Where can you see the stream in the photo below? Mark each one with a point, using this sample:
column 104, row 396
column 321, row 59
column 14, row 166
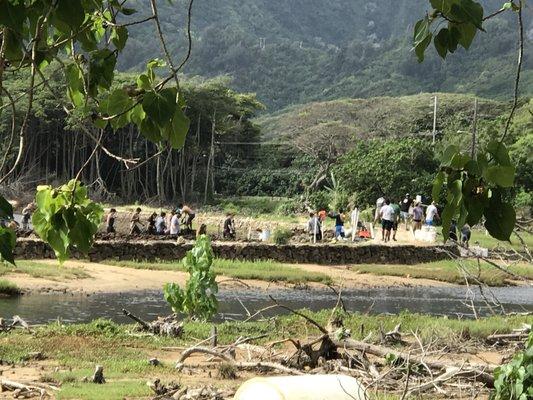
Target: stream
column 450, row 301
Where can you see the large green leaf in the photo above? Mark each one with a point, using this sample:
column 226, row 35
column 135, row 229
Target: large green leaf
column 119, row 37
column 101, row 70
column 8, row 240
column 442, row 42
column 70, row 13
column 116, row 102
column 6, row 209
column 437, row 185
column 455, row 193
column 178, row 129
column 66, row 218
column 75, row 85
column 500, row 217
column 500, row 221
column 467, row 11
column 499, row 152
column 12, row 15
column 422, row 37
column 160, row 106
column 467, row 33
column 502, row 176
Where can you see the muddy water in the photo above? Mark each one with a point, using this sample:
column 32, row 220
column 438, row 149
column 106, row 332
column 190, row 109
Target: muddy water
column 42, row 308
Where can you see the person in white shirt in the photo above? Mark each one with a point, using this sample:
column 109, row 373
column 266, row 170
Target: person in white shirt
column 160, row 225
column 175, row 223
column 387, row 220
column 432, row 214
column 379, row 203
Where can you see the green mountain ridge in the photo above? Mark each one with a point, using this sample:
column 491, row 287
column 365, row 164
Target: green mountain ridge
column 296, row 51
column 383, row 117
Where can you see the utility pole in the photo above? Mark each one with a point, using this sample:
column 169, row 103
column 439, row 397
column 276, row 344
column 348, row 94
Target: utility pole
column 474, row 129
column 434, row 119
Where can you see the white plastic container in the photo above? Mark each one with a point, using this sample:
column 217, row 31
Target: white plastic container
column 264, row 236
column 305, row 387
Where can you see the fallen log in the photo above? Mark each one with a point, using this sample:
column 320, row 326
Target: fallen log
column 22, row 389
column 519, row 336
column 482, row 373
column 240, row 365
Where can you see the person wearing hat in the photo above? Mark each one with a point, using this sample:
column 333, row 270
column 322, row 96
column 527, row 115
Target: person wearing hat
column 405, row 206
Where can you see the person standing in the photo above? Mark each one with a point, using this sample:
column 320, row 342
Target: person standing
column 174, row 223
column 110, row 221
column 465, row 235
column 26, row 216
column 314, row 227
column 188, row 215
column 160, row 225
column 396, row 221
column 432, row 214
column 339, row 223
column 405, row 206
column 379, row 203
column 228, row 231
column 135, row 222
column 151, row 224
column 418, row 216
column 387, row 219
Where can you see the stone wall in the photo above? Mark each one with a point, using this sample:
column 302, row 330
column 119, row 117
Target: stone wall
column 299, row 253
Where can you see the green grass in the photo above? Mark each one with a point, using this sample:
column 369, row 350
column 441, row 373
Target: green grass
column 77, row 348
column 489, row 242
column 448, row 271
column 38, row 269
column 269, row 271
column 8, row 288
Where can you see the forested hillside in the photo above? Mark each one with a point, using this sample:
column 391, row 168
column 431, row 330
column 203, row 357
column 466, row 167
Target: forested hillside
column 295, row 51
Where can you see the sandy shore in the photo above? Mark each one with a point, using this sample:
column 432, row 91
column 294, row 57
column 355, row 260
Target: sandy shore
column 111, row 279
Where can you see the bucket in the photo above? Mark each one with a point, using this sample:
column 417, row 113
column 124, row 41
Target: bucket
column 305, row 387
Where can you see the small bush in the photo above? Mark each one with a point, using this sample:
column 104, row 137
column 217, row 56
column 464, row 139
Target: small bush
column 281, row 236
column 514, row 381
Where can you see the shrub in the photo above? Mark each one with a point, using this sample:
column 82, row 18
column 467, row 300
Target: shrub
column 281, row 236
column 198, row 299
column 514, row 381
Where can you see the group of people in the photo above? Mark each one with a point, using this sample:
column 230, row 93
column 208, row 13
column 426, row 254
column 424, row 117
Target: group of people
column 157, row 224
column 316, row 221
column 390, row 214
column 406, row 210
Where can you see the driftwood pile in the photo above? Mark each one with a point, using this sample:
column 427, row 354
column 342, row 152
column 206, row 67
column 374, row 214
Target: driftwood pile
column 25, row 391
column 165, row 326
column 16, row 322
column 416, row 370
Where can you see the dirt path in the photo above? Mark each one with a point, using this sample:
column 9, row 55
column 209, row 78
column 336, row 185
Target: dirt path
column 112, row 279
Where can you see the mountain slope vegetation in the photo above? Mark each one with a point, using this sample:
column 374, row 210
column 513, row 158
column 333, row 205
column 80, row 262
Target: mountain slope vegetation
column 295, row 51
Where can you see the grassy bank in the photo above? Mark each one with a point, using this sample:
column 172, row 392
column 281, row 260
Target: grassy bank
column 8, row 288
column 75, row 349
column 448, row 271
column 268, row 271
column 38, row 269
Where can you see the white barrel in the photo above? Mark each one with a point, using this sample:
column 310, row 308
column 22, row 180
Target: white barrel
column 305, row 387
column 265, row 235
